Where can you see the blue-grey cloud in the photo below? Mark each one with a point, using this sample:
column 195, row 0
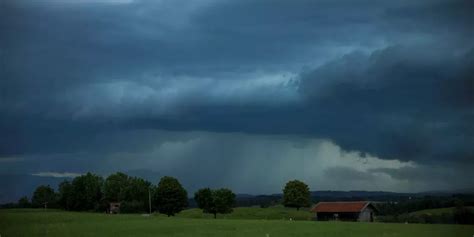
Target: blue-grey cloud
column 390, row 79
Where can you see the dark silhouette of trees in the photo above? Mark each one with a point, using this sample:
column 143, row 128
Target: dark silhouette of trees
column 87, row 192
column 43, row 196
column 204, row 201
column 66, row 195
column 461, row 214
column 136, row 195
column 169, row 196
column 115, row 187
column 23, row 202
column 215, row 201
column 296, row 194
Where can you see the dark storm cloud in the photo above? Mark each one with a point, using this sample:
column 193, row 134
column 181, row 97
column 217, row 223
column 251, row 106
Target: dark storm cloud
column 342, row 174
column 410, row 103
column 392, row 79
column 445, row 177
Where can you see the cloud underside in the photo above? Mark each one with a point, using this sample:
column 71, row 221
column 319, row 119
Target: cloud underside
column 387, row 80
column 246, row 163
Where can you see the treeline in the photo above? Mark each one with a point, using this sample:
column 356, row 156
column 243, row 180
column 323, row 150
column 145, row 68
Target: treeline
column 423, row 203
column 91, row 192
column 462, row 211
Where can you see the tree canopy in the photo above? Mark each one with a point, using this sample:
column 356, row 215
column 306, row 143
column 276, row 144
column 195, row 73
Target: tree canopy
column 115, row 187
column 43, row 196
column 87, row 192
column 23, row 202
column 296, row 194
column 215, row 201
column 169, row 196
column 66, row 195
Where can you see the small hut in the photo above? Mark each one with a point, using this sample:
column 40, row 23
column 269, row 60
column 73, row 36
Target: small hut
column 114, row 208
column 344, row 211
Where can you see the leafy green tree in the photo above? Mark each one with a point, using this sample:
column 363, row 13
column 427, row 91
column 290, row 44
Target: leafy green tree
column 66, row 195
column 204, row 199
column 137, row 191
column 87, row 191
column 43, row 196
column 215, row 201
column 296, row 194
column 132, row 192
column 224, row 200
column 24, row 202
column 115, row 187
column 169, row 196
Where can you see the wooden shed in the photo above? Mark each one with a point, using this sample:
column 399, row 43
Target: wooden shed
column 114, row 208
column 344, row 211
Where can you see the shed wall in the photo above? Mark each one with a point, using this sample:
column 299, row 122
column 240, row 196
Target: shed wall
column 366, row 215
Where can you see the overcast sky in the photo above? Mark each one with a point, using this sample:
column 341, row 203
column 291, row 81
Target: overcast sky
column 245, row 94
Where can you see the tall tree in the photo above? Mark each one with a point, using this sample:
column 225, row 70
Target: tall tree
column 215, row 201
column 43, row 196
column 204, row 199
column 169, row 196
column 87, row 190
column 115, row 187
column 224, row 200
column 138, row 191
column 66, row 195
column 296, row 194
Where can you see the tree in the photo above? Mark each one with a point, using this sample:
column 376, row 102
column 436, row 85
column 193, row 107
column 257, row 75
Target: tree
column 66, row 195
column 224, row 200
column 169, row 196
column 43, row 196
column 24, row 202
column 296, row 194
column 115, row 187
column 203, row 198
column 87, row 191
column 215, row 201
column 137, row 192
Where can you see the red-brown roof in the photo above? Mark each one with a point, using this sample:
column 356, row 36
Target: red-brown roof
column 339, row 206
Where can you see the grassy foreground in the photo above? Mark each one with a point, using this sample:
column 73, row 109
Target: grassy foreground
column 253, row 213
column 59, row 223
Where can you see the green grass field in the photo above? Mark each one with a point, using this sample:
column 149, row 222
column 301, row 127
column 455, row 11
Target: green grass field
column 30, row 222
column 253, row 213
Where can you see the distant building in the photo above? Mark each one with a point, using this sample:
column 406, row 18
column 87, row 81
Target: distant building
column 344, row 211
column 114, row 208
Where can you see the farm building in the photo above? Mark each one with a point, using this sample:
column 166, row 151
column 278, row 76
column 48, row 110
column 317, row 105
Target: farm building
column 344, row 211
column 114, row 208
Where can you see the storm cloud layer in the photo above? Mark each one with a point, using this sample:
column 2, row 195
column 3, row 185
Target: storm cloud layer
column 187, row 88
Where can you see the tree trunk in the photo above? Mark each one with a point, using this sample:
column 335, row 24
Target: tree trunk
column 215, row 215
column 297, row 208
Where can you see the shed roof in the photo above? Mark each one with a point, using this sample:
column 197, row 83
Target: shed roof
column 340, row 206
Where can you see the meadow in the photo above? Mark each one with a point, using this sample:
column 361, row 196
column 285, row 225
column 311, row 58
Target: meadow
column 30, row 222
column 253, row 213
